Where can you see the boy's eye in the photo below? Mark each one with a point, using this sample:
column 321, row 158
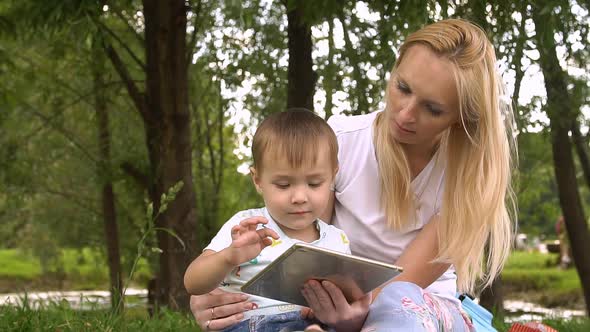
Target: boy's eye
column 315, row 185
column 282, row 185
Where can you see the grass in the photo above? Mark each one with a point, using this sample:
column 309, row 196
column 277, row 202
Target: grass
column 60, row 317
column 536, row 277
column 16, row 264
column 78, row 270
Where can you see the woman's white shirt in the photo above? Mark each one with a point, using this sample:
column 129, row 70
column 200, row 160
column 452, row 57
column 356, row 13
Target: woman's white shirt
column 358, row 210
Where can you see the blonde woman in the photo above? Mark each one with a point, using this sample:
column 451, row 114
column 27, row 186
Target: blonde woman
column 424, row 184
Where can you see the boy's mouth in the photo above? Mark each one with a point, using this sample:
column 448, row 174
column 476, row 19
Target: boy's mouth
column 299, row 213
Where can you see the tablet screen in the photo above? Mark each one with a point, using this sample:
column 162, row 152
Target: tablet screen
column 283, row 279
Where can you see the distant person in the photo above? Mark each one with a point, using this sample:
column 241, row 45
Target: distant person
column 295, row 161
column 565, row 259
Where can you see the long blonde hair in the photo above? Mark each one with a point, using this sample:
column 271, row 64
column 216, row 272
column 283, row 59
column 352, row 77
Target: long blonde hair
column 477, row 197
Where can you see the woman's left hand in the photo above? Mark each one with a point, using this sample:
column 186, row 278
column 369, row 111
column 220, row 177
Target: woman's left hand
column 331, row 307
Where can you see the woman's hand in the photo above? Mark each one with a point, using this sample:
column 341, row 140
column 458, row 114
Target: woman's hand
column 218, row 309
column 331, row 307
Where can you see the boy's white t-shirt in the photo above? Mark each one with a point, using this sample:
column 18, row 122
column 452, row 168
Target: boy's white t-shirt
column 358, row 195
column 330, row 238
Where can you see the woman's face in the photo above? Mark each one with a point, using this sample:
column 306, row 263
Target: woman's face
column 422, row 101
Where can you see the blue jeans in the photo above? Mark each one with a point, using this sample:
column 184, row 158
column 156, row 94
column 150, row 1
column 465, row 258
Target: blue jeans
column 284, row 322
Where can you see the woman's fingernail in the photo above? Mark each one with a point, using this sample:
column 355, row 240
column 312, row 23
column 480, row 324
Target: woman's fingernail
column 240, row 316
column 244, row 297
column 254, row 306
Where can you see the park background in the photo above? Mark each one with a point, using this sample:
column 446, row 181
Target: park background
column 125, row 127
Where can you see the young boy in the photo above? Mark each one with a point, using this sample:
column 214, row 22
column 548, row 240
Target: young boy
column 295, row 161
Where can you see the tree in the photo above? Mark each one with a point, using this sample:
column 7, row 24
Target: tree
column 163, row 107
column 301, row 77
column 562, row 116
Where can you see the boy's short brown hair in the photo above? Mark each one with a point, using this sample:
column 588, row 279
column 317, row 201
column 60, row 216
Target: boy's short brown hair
column 296, row 134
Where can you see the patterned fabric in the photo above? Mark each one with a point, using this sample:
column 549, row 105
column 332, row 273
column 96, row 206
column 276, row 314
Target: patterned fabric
column 286, row 322
column 404, row 306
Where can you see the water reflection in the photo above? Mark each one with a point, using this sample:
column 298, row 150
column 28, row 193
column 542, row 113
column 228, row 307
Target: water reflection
column 78, row 300
column 518, row 311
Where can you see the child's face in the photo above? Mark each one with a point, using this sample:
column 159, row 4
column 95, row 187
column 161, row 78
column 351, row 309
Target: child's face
column 295, row 197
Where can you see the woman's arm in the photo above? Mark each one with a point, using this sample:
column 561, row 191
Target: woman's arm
column 417, row 258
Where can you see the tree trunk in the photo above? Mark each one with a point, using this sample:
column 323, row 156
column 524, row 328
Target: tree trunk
column 301, row 77
column 581, row 149
column 561, row 116
column 330, row 71
column 105, row 177
column 492, row 297
column 168, row 138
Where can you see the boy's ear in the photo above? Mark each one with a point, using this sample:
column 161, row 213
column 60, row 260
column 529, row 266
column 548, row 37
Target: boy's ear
column 255, row 179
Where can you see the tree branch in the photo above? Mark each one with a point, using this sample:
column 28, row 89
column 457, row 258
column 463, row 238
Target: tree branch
column 124, row 45
column 137, row 97
column 193, row 37
column 140, row 178
column 120, row 15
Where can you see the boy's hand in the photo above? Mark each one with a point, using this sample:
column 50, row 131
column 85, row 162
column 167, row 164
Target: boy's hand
column 331, row 307
column 247, row 241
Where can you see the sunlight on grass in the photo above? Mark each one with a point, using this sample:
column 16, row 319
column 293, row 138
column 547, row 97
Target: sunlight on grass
column 16, row 264
column 82, row 269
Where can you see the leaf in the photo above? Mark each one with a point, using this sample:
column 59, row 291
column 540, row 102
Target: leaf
column 171, row 232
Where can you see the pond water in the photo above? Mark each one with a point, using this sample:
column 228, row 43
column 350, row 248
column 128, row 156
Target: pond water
column 78, row 300
column 89, row 300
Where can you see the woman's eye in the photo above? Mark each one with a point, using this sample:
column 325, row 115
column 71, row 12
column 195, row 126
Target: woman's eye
column 434, row 111
column 403, row 88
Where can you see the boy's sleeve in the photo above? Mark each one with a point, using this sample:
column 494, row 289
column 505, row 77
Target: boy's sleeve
column 342, row 244
column 346, row 243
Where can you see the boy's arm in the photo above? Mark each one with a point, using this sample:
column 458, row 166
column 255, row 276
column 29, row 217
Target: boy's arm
column 206, row 272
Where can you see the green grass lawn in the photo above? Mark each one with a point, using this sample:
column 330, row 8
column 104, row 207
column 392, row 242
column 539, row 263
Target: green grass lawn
column 61, row 318
column 535, row 277
column 79, row 270
column 16, row 264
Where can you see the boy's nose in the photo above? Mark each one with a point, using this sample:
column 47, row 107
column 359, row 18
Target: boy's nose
column 299, row 196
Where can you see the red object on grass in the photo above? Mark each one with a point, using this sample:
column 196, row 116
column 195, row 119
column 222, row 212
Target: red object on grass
column 531, row 327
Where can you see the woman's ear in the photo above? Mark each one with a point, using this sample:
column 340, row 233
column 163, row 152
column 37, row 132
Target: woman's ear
column 255, row 179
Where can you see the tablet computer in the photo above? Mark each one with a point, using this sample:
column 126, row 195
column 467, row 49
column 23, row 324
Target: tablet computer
column 283, row 279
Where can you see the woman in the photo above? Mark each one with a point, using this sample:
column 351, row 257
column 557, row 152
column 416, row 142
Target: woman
column 423, row 184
